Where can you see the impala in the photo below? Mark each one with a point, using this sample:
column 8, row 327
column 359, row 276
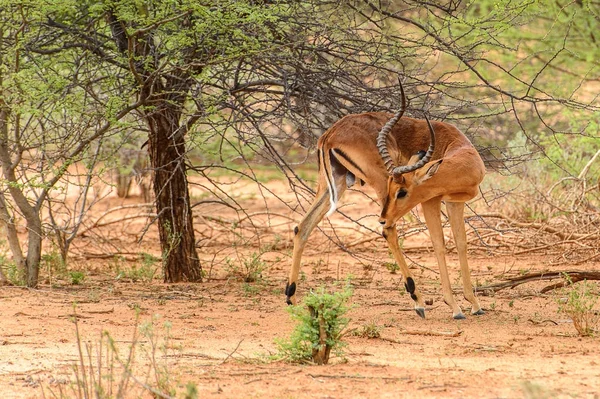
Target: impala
column 389, row 154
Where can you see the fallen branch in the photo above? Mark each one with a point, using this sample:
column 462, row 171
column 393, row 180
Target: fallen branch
column 231, row 354
column 112, row 310
column 536, row 322
column 430, row 333
column 357, row 377
column 574, row 275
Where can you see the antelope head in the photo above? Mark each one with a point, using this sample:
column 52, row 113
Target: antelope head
column 405, row 184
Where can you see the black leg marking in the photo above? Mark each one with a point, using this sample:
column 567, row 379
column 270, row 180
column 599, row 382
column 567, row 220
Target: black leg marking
column 296, row 230
column 410, row 286
column 290, row 289
column 339, row 153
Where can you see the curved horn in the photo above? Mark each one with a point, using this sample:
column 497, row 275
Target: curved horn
column 409, row 168
column 385, row 130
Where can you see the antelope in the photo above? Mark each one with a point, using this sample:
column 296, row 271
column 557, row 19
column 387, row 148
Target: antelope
column 388, row 154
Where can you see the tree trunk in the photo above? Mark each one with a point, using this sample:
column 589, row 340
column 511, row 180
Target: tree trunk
column 34, row 251
column 175, row 222
column 12, row 238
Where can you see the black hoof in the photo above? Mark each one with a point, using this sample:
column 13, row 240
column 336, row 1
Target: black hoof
column 459, row 316
column 420, row 312
column 288, row 301
column 480, row 312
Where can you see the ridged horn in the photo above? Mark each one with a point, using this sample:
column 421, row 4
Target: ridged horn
column 385, row 130
column 398, row 170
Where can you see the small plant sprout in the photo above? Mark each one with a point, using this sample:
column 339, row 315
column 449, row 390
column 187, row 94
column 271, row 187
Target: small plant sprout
column 392, row 267
column 369, row 330
column 248, row 269
column 77, row 277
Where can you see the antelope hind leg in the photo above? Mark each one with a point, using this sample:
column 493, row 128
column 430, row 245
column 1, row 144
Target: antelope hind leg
column 432, row 212
column 457, row 222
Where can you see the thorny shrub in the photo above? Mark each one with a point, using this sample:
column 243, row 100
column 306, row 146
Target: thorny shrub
column 321, row 321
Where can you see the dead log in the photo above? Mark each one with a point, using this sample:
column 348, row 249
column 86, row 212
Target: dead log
column 574, row 276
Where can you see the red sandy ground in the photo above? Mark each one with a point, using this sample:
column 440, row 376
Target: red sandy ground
column 223, row 330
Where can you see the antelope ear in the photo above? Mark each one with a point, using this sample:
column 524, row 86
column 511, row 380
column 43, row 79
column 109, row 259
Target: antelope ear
column 427, row 171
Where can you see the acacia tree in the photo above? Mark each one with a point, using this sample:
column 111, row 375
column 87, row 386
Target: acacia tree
column 49, row 121
column 187, row 62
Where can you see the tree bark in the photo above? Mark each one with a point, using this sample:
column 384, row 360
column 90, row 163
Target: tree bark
column 175, row 221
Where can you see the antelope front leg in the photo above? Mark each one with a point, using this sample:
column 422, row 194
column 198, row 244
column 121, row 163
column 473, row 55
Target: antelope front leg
column 389, row 233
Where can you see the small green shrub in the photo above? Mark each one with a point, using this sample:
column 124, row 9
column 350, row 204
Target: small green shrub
column 12, row 272
column 145, row 271
column 321, row 321
column 580, row 304
column 248, row 269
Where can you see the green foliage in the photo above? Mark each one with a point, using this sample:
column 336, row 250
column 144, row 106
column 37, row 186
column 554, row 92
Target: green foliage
column 173, row 240
column 567, row 155
column 534, row 390
column 320, row 313
column 579, row 302
column 552, row 186
column 77, row 277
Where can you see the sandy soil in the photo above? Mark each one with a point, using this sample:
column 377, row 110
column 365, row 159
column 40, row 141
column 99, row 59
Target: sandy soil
column 223, row 330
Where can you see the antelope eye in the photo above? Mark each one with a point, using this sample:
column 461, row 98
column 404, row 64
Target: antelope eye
column 401, row 193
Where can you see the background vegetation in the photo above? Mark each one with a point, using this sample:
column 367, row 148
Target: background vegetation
column 227, row 88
